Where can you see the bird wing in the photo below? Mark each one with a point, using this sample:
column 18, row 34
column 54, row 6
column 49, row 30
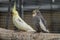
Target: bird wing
column 42, row 26
column 23, row 25
column 43, row 19
column 20, row 22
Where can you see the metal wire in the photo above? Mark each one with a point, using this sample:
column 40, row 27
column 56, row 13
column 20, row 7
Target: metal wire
column 7, row 18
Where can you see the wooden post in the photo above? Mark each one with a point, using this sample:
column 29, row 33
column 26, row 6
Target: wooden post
column 12, row 35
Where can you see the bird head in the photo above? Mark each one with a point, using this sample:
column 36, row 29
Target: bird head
column 35, row 12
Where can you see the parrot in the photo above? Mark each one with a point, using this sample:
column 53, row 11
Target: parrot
column 19, row 22
column 38, row 21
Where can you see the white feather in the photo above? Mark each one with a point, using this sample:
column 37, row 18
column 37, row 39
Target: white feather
column 42, row 26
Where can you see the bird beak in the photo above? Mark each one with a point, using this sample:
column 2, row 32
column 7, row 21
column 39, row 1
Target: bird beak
column 11, row 13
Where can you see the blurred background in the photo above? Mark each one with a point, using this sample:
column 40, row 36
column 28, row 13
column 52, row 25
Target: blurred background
column 50, row 9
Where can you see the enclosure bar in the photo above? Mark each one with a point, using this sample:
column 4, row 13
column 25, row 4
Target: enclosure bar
column 8, row 15
column 21, row 8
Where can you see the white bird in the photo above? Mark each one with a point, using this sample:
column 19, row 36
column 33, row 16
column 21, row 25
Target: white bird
column 37, row 17
column 19, row 22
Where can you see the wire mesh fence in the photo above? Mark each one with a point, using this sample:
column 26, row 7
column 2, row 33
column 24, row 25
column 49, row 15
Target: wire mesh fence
column 52, row 15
